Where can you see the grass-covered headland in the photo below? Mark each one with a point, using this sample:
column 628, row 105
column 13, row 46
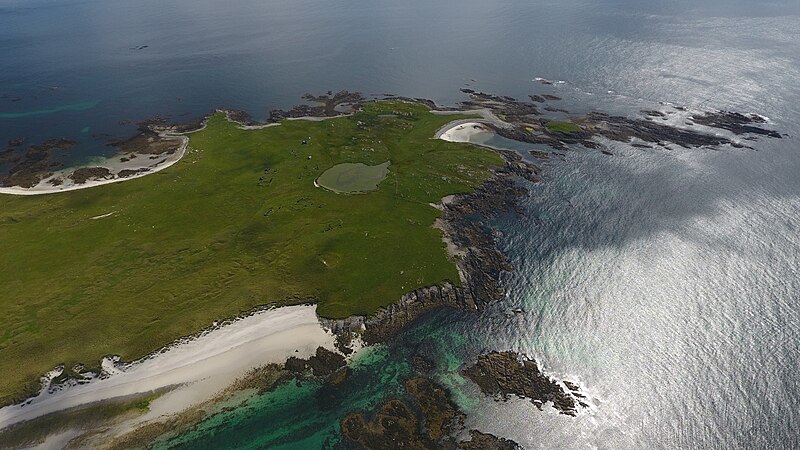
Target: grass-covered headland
column 129, row 267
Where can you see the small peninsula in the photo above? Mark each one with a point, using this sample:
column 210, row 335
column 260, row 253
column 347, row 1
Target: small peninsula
column 235, row 224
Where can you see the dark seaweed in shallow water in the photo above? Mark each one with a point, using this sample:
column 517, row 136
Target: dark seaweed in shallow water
column 35, row 164
column 431, row 420
column 322, row 364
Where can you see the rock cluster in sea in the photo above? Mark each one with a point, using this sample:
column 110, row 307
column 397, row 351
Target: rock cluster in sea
column 428, row 420
column 502, row 374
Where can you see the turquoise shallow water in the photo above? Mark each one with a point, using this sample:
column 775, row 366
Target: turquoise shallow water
column 82, row 106
column 664, row 280
column 307, row 414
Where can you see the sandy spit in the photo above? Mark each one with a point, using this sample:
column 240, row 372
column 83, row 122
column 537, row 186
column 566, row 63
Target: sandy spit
column 197, row 368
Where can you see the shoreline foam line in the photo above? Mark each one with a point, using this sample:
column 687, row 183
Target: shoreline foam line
column 198, row 368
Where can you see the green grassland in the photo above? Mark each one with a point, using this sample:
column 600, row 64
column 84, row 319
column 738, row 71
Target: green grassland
column 562, row 127
column 236, row 224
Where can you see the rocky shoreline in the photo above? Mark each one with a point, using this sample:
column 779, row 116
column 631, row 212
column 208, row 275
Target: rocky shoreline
column 525, row 122
column 480, row 263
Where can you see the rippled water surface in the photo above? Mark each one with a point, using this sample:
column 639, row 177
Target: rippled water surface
column 665, row 280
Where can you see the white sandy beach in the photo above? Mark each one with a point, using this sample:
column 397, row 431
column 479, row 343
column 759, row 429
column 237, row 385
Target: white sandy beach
column 113, row 164
column 198, row 368
column 462, row 131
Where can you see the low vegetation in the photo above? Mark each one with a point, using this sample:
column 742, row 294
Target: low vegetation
column 105, row 414
column 562, row 127
column 127, row 268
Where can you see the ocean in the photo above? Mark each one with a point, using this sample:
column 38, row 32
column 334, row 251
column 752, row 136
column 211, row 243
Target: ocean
column 666, row 281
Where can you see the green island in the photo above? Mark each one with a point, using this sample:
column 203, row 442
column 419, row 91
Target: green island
column 238, row 223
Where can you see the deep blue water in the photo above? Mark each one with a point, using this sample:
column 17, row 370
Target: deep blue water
column 666, row 281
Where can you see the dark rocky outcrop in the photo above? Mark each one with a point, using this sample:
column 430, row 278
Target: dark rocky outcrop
column 16, row 142
column 322, row 364
column 502, row 374
column 147, row 143
column 240, row 117
column 486, row 441
column 327, row 105
column 35, row 164
column 393, row 423
column 623, row 129
column 513, row 110
column 84, row 174
column 125, row 173
column 653, row 113
column 430, row 420
column 539, row 154
column 344, row 342
column 526, row 124
column 736, row 123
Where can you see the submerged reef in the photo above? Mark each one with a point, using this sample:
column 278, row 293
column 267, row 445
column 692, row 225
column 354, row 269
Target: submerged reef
column 429, row 420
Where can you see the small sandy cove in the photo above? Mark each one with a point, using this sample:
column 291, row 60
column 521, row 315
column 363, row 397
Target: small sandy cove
column 142, row 165
column 461, row 131
column 197, row 368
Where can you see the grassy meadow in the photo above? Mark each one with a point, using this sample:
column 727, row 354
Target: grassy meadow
column 236, row 224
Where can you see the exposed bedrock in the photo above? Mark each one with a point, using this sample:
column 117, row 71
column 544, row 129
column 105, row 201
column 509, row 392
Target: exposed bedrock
column 503, row 374
column 327, row 105
column 429, row 420
column 524, row 122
